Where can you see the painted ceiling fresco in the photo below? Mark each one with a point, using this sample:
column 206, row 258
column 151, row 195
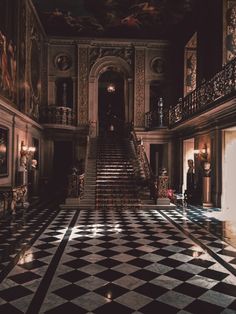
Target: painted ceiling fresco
column 112, row 18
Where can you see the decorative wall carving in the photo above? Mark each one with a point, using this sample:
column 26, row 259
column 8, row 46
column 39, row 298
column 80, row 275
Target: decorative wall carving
column 99, row 52
column 158, row 65
column 34, row 72
column 140, row 88
column 34, row 65
column 83, row 85
column 190, row 64
column 63, row 62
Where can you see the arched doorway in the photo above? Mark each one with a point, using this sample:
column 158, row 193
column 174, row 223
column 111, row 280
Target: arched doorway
column 111, row 103
column 123, row 69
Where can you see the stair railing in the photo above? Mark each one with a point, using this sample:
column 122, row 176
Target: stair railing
column 75, row 185
column 77, row 177
column 144, row 164
column 90, row 134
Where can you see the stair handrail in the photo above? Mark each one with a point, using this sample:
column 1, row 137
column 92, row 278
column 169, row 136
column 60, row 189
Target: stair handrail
column 76, row 179
column 150, row 178
column 90, row 131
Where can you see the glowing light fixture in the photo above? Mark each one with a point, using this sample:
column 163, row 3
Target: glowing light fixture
column 111, row 88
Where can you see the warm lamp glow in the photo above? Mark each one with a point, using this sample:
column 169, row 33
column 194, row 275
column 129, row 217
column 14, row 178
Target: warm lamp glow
column 201, row 153
column 111, row 88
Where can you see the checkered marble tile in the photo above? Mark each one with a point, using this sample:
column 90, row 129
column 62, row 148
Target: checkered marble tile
column 18, row 289
column 218, row 247
column 131, row 261
column 19, row 231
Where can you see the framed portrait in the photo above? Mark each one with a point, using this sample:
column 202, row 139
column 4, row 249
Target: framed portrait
column 4, row 151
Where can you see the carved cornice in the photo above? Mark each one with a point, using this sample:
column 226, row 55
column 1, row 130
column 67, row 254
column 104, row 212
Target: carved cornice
column 108, row 42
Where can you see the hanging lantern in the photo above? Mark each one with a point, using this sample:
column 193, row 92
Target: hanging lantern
column 111, row 88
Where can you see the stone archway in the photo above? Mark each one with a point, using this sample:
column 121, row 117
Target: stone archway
column 102, row 65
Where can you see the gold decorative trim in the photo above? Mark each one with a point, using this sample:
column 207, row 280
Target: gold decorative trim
column 83, row 85
column 140, row 88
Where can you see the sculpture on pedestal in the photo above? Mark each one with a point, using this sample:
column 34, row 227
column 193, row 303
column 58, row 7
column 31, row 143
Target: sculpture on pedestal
column 207, row 184
column 163, row 186
column 190, row 181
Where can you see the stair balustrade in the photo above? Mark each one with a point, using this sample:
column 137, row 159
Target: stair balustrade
column 149, row 177
column 75, row 185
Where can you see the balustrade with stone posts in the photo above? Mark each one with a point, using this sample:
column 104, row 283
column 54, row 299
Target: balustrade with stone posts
column 57, row 115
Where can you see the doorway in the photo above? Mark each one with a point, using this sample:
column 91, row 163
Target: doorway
column 229, row 169
column 158, row 157
column 188, row 153
column 111, row 104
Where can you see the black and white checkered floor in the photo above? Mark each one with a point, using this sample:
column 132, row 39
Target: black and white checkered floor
column 131, row 261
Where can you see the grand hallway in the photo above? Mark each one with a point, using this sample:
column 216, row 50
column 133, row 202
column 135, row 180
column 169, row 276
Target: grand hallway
column 117, row 156
column 129, row 261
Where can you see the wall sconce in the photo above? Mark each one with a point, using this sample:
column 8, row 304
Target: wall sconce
column 201, row 153
column 111, row 88
column 26, row 154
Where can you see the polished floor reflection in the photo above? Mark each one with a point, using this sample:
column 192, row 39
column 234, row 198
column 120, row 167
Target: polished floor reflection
column 130, row 261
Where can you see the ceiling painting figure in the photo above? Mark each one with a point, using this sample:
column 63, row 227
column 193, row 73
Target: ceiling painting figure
column 112, row 18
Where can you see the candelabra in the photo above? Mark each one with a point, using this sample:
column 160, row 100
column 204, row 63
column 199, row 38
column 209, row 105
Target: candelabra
column 26, row 158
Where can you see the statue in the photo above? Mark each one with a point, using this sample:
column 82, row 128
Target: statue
column 207, row 169
column 190, row 180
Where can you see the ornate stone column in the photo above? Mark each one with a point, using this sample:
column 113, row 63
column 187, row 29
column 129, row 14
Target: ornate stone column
column 83, row 74
column 139, row 97
column 130, row 100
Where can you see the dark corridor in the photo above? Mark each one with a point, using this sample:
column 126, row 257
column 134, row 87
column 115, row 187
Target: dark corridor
column 111, row 102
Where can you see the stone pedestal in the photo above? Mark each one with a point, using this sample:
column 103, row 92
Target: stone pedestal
column 207, row 192
column 163, row 184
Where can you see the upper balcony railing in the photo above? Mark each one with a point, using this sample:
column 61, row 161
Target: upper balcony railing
column 57, row 115
column 221, row 87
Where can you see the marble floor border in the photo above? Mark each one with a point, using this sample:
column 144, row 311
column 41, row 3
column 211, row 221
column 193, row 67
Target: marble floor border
column 202, row 245
column 39, row 296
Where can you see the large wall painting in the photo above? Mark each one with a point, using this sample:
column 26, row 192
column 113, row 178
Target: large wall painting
column 4, row 147
column 230, row 30
column 8, row 54
column 7, row 66
column 111, row 18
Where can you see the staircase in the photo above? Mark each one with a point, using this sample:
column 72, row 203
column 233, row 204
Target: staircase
column 116, row 185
